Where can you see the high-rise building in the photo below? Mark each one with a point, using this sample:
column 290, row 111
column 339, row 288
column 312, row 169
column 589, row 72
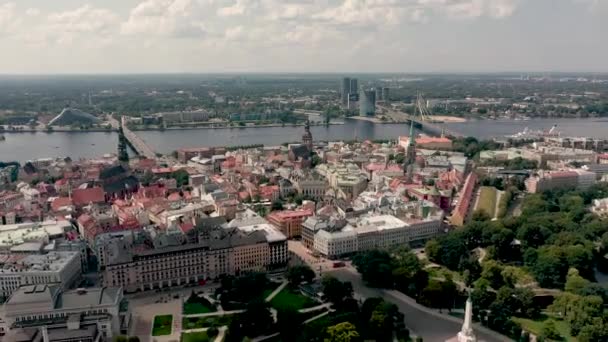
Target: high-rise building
column 354, row 86
column 385, row 94
column 379, row 94
column 345, row 90
column 367, row 102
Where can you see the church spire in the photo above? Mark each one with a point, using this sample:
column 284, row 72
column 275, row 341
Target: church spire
column 410, row 155
column 412, row 137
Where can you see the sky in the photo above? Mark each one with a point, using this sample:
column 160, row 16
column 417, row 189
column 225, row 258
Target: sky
column 339, row 36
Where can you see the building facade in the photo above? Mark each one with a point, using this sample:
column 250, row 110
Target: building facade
column 289, row 222
column 221, row 252
column 60, row 268
column 367, row 102
column 92, row 314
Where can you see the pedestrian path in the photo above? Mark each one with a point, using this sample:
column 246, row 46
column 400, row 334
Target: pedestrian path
column 217, row 313
column 276, row 291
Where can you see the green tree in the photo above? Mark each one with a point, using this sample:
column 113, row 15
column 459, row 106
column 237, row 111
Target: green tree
column 299, row 274
column 596, row 331
column 120, row 338
column 336, row 291
column 277, row 205
column 492, row 272
column 256, row 319
column 288, row 324
column 550, row 332
column 574, row 282
column 376, row 268
column 342, row 332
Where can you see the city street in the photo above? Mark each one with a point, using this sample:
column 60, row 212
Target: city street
column 421, row 321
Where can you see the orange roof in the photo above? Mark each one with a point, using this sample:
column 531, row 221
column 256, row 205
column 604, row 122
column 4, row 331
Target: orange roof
column 60, row 202
column 86, row 196
column 288, row 214
column 427, row 140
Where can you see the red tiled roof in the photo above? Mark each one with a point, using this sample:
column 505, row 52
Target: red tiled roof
column 174, row 197
column 288, row 214
column 186, row 227
column 60, row 202
column 82, row 197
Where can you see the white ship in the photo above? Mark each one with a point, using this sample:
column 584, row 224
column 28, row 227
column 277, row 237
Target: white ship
column 536, row 134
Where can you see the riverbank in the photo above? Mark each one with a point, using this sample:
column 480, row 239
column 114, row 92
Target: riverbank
column 158, row 129
column 389, row 120
column 232, row 127
column 448, row 119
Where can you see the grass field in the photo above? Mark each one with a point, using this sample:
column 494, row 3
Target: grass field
column 205, row 322
column 200, row 336
column 536, row 327
column 487, row 200
column 288, row 298
column 162, row 325
column 197, row 308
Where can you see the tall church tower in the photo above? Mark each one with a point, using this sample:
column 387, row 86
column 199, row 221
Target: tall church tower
column 410, row 155
column 307, row 137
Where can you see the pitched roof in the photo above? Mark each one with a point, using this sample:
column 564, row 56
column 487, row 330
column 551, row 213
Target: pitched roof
column 82, row 197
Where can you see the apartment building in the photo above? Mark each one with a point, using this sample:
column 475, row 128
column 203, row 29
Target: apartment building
column 48, row 313
column 373, row 232
column 309, row 183
column 277, row 244
column 461, row 211
column 346, row 178
column 289, row 222
column 218, row 252
column 61, row 268
column 574, row 179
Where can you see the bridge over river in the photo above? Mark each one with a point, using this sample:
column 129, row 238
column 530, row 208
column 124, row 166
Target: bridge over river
column 424, row 125
column 137, row 144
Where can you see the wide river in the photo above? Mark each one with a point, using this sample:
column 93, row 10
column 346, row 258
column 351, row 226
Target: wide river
column 26, row 146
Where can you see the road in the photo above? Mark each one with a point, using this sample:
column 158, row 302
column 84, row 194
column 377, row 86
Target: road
column 424, row 322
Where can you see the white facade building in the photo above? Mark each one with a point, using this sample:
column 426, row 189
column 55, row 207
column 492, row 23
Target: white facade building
column 277, row 243
column 67, row 313
column 335, row 244
column 62, row 268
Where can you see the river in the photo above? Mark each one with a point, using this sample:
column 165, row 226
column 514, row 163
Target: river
column 26, row 146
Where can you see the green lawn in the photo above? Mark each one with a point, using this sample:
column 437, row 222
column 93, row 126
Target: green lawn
column 288, row 298
column 162, row 325
column 536, row 327
column 206, row 322
column 197, row 308
column 200, row 336
column 270, row 287
column 487, row 200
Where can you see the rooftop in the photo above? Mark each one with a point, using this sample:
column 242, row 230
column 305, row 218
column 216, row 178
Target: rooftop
column 50, row 262
column 272, row 234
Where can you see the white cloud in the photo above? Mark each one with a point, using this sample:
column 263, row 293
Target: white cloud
column 85, row 19
column 67, row 26
column 32, row 12
column 173, row 18
column 478, row 8
column 8, row 18
column 240, row 7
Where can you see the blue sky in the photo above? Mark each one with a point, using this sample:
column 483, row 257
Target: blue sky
column 150, row 36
